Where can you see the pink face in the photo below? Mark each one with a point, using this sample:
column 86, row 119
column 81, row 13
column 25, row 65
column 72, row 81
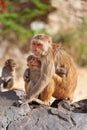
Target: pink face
column 37, row 48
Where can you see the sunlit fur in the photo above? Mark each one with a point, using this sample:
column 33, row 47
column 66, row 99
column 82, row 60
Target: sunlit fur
column 50, row 83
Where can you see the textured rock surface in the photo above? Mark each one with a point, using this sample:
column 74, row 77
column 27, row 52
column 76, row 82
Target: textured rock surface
column 63, row 117
column 8, row 112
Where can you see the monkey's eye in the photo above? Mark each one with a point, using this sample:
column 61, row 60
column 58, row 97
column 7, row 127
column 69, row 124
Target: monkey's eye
column 39, row 45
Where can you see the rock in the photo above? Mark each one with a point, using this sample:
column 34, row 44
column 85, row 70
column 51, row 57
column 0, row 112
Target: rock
column 64, row 116
column 8, row 112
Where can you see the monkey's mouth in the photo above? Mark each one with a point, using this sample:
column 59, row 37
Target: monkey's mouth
column 34, row 65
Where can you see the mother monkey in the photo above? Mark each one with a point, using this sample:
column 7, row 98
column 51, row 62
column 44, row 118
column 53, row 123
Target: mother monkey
column 58, row 71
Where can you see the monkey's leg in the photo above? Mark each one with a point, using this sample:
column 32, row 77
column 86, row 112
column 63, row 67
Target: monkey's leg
column 63, row 90
column 9, row 84
column 48, row 92
column 27, row 89
column 59, row 88
column 38, row 101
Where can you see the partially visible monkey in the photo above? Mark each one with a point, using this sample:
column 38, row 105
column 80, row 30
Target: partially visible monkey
column 8, row 74
column 52, row 61
column 32, row 73
column 60, row 70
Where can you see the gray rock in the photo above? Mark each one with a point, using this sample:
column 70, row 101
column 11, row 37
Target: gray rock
column 8, row 112
column 25, row 117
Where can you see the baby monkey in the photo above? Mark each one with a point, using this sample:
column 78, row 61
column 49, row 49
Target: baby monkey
column 8, row 75
column 32, row 75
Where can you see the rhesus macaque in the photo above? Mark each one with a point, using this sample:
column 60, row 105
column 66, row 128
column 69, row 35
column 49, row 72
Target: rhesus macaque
column 60, row 70
column 32, row 73
column 57, row 67
column 8, row 75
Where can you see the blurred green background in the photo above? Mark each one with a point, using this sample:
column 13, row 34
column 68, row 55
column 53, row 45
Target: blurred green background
column 65, row 21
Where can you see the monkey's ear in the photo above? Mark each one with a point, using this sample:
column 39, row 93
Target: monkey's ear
column 49, row 39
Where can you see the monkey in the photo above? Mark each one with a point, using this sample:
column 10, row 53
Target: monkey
column 8, row 74
column 52, row 62
column 32, row 73
column 61, row 71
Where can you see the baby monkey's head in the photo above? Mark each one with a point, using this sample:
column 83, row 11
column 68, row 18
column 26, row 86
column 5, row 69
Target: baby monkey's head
column 33, row 61
column 10, row 64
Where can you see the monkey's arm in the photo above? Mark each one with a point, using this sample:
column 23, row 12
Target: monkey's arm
column 1, row 80
column 9, row 83
column 4, row 71
column 48, row 70
column 26, row 75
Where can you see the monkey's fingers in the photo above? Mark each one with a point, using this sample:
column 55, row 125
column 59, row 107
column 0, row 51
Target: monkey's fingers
column 18, row 103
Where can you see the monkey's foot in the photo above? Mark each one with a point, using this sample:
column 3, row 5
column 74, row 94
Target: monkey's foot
column 18, row 103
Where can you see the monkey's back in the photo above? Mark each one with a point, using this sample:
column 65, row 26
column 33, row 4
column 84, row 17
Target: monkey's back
column 68, row 85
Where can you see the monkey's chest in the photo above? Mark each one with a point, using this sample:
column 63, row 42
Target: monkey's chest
column 35, row 75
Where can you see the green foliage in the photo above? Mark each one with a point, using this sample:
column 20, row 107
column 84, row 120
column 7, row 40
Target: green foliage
column 41, row 5
column 9, row 23
column 32, row 14
column 16, row 22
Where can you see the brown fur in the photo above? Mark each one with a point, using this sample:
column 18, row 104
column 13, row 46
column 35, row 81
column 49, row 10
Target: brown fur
column 51, row 84
column 8, row 74
column 32, row 73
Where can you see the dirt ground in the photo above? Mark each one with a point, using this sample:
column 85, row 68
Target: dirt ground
column 81, row 90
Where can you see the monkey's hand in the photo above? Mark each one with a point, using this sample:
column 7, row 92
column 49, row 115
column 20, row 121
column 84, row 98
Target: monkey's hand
column 20, row 103
column 1, row 80
column 26, row 79
column 61, row 71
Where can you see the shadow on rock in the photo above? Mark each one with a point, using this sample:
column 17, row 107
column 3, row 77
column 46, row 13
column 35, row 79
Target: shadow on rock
column 80, row 106
column 9, row 95
column 77, row 107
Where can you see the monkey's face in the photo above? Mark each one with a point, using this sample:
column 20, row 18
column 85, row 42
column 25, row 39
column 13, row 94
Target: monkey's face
column 40, row 44
column 34, row 62
column 37, row 47
column 10, row 65
column 11, row 68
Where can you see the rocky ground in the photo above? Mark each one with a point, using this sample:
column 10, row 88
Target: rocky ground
column 59, row 116
column 81, row 91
